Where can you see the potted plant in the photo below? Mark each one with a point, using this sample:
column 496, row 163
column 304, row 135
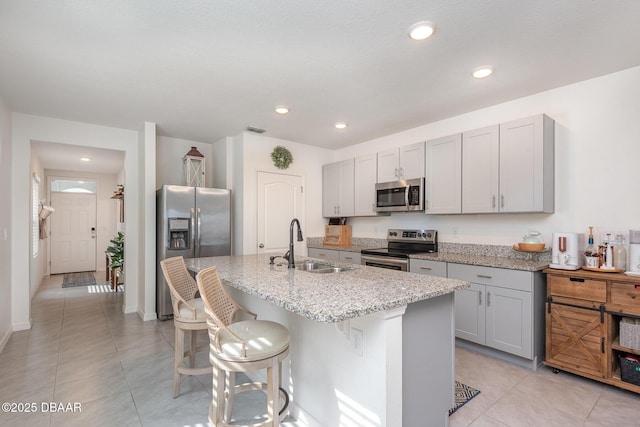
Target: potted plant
column 116, row 253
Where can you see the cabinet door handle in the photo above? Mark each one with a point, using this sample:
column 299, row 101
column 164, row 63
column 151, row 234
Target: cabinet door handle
column 479, row 298
column 401, row 173
column 488, row 299
column 502, row 200
column 348, row 257
column 425, row 268
column 493, row 201
column 576, row 279
column 484, row 276
column 396, row 173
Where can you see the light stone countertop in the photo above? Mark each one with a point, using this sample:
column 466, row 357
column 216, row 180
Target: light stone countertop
column 328, row 298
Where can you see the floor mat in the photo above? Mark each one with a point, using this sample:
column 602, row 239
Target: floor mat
column 464, row 393
column 71, row 280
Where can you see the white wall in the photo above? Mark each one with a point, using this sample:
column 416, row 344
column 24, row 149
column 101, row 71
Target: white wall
column 254, row 156
column 5, row 226
column 27, row 128
column 597, row 149
column 169, row 154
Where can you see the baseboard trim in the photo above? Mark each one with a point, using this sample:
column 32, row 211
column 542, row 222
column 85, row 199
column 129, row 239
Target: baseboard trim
column 5, row 339
column 25, row 326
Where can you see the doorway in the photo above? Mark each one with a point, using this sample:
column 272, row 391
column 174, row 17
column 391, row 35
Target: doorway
column 73, row 230
column 280, row 199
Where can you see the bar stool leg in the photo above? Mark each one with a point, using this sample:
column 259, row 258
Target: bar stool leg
column 273, row 392
column 219, row 393
column 193, row 336
column 177, row 360
column 229, row 395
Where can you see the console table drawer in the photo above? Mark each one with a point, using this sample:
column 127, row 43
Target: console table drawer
column 578, row 287
column 627, row 295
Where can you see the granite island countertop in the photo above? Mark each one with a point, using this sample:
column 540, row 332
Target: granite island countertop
column 330, row 298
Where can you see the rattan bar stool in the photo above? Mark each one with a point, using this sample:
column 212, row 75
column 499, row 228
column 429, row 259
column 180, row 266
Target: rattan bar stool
column 241, row 346
column 188, row 316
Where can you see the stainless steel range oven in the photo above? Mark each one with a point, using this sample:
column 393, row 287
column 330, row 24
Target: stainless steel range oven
column 400, row 245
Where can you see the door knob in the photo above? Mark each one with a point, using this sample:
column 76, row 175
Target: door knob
column 261, row 245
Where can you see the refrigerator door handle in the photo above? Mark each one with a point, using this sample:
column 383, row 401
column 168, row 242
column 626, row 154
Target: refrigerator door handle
column 198, row 241
column 193, row 231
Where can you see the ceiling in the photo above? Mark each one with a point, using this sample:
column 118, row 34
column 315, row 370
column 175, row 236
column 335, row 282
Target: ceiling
column 202, row 70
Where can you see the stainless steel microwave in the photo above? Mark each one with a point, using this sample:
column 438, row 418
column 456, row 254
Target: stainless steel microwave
column 400, row 196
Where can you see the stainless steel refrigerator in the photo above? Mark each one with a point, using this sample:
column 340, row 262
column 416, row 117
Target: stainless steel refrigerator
column 191, row 222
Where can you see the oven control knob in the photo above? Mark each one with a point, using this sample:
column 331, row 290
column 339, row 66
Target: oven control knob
column 424, row 234
column 429, row 235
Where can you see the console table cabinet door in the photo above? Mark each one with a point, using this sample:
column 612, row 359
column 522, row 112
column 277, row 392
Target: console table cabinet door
column 575, row 339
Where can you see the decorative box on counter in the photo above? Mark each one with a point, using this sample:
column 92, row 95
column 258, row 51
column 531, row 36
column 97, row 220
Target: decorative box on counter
column 630, row 333
column 337, row 235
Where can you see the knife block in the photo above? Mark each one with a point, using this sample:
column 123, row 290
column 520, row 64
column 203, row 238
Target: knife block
column 337, row 235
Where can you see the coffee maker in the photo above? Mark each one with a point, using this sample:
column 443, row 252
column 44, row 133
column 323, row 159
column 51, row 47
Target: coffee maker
column 567, row 251
column 634, row 253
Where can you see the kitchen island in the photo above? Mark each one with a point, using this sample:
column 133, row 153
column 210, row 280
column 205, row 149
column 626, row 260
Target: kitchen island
column 369, row 346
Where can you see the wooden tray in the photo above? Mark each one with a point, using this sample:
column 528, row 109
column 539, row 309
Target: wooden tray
column 517, row 248
column 602, row 270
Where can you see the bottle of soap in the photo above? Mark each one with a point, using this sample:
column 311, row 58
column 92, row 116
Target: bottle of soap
column 620, row 253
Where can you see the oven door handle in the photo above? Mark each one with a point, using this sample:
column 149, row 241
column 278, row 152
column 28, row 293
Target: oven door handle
column 395, row 262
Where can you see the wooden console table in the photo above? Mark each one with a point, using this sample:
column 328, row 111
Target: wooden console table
column 583, row 313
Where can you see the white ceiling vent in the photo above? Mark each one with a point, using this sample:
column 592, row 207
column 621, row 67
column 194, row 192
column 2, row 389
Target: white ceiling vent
column 255, row 129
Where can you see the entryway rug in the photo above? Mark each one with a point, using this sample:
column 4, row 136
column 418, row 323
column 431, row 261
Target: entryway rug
column 71, row 280
column 464, row 393
column 103, row 289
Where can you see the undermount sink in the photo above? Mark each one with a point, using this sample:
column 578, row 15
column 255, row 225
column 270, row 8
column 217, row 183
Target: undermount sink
column 319, row 267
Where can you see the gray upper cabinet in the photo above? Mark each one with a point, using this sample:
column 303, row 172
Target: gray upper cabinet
column 366, row 170
column 338, row 189
column 443, row 192
column 480, row 170
column 406, row 162
column 526, row 165
column 509, row 167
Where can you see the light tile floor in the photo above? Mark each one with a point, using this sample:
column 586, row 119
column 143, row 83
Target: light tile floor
column 82, row 348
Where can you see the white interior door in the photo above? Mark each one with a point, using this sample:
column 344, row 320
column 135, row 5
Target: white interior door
column 73, row 232
column 280, row 199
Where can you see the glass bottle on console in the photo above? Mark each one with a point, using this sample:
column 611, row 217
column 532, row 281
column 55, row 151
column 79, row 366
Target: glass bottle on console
column 620, row 253
column 592, row 257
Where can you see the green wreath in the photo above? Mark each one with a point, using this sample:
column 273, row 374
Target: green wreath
column 281, row 157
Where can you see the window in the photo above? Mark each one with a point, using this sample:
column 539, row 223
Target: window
column 73, row 186
column 35, row 220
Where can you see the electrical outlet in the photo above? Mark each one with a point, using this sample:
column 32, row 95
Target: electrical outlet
column 356, row 341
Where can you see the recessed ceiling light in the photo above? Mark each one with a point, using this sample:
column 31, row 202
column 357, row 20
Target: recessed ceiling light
column 281, row 109
column 85, row 159
column 341, row 125
column 482, row 72
column 421, row 30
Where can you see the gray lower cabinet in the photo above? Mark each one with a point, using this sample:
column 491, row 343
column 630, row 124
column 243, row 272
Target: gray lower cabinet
column 503, row 309
column 335, row 255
